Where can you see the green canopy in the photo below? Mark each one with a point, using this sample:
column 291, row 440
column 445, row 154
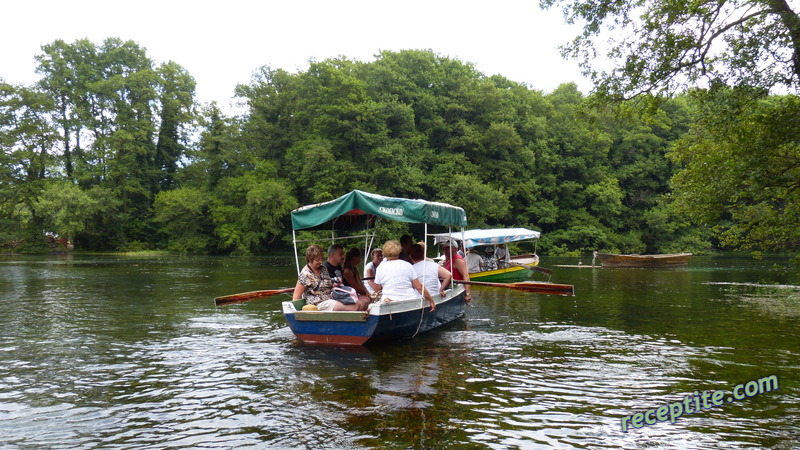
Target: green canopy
column 393, row 208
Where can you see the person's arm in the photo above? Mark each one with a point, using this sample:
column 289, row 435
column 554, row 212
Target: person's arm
column 444, row 276
column 374, row 282
column 354, row 282
column 421, row 289
column 298, row 291
column 375, row 286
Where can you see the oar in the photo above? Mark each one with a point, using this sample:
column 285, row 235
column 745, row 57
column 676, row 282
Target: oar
column 247, row 296
column 529, row 286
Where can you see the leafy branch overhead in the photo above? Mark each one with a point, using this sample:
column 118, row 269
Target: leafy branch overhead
column 655, row 47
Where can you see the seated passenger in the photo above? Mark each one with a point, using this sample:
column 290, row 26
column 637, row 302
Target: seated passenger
column 351, row 277
column 489, row 263
column 502, row 256
column 397, row 278
column 405, row 245
column 456, row 265
column 334, row 261
column 429, row 272
column 315, row 285
column 474, row 261
column 369, row 269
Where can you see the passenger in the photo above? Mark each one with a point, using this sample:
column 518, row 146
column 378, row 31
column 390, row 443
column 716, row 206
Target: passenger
column 421, row 244
column 489, row 263
column 351, row 278
column 474, row 261
column 315, row 285
column 334, row 262
column 405, row 244
column 397, row 278
column 456, row 265
column 502, row 256
column 429, row 272
column 369, row 269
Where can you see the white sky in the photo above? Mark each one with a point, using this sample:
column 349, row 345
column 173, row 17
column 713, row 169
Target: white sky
column 223, row 42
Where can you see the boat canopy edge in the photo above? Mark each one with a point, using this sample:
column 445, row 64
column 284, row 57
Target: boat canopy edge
column 393, row 208
column 473, row 238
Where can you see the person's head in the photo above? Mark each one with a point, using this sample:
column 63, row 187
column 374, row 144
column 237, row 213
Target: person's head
column 392, row 249
column 353, row 257
column 336, row 254
column 416, row 253
column 314, row 255
column 405, row 241
column 377, row 256
column 448, row 248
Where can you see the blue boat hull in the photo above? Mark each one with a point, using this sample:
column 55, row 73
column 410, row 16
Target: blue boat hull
column 385, row 322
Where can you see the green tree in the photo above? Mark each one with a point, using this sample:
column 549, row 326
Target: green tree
column 183, row 216
column 738, row 50
column 742, row 169
column 26, row 158
column 116, row 123
column 249, row 211
column 68, row 71
column 68, row 210
column 176, row 101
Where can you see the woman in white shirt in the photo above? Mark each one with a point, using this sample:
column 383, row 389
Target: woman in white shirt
column 429, row 272
column 397, row 278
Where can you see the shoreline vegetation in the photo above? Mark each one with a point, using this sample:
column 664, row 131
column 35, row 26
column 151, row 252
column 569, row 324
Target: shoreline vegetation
column 122, row 158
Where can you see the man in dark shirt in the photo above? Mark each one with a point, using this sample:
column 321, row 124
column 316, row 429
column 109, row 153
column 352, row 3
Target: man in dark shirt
column 335, row 260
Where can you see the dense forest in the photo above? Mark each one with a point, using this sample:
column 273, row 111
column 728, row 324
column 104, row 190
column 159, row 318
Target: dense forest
column 112, row 151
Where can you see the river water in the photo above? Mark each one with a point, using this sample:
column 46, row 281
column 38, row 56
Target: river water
column 130, row 352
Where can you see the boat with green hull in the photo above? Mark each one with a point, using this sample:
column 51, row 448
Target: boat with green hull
column 506, row 274
column 513, row 268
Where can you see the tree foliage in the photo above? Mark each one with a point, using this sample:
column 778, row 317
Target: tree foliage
column 737, row 167
column 111, row 149
column 742, row 169
column 664, row 46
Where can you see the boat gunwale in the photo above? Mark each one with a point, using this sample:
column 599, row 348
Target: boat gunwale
column 380, row 308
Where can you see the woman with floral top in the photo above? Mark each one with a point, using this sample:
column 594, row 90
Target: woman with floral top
column 315, row 284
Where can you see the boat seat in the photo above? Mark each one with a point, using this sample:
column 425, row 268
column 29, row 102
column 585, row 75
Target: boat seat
column 299, row 303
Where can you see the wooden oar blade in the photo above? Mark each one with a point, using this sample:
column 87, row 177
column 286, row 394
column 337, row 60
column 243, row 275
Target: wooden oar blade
column 529, row 286
column 544, row 288
column 247, row 296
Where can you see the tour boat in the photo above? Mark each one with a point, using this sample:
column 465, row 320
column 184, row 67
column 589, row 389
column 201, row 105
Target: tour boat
column 385, row 320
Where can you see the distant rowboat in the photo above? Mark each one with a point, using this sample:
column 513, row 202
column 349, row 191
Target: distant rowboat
column 633, row 260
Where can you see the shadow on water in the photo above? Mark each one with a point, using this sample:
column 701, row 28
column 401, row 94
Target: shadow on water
column 114, row 352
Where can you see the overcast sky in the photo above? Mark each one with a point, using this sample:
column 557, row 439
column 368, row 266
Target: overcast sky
column 222, row 43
